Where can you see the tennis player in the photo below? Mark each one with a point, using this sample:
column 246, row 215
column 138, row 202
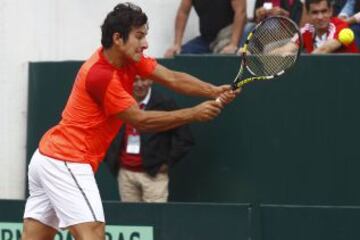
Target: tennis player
column 63, row 191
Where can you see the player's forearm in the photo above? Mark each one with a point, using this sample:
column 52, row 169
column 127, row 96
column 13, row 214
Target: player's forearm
column 185, row 83
column 189, row 85
column 156, row 121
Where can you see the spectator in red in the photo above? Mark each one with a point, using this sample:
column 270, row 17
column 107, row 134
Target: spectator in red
column 321, row 34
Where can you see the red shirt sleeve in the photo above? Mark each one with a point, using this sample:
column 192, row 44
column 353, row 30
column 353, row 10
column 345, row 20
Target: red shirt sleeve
column 145, row 66
column 106, row 89
column 116, row 98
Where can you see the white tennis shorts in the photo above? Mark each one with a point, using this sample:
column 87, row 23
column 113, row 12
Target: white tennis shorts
column 62, row 193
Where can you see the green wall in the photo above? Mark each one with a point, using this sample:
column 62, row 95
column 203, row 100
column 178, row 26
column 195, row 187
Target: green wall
column 204, row 221
column 176, row 221
column 288, row 146
column 293, row 140
column 309, row 222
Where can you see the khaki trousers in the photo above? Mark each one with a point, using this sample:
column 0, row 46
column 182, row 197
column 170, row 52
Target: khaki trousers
column 141, row 187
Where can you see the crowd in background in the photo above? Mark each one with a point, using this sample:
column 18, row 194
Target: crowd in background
column 320, row 22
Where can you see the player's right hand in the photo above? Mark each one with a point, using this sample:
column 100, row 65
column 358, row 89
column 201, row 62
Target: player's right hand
column 207, row 110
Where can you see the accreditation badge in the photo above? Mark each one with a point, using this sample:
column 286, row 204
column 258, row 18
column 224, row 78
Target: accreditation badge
column 133, row 144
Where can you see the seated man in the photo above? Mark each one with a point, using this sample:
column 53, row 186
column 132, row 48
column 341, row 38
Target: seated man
column 321, row 34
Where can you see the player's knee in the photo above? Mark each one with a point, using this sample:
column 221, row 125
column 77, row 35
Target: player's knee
column 34, row 230
column 26, row 236
column 99, row 231
column 30, row 236
column 89, row 231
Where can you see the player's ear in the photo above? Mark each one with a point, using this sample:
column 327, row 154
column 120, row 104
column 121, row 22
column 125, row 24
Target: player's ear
column 117, row 39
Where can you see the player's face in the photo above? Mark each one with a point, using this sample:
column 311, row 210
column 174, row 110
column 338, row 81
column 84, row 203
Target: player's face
column 320, row 14
column 141, row 88
column 135, row 45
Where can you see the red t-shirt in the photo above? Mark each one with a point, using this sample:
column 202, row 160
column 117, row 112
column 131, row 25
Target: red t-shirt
column 335, row 26
column 89, row 121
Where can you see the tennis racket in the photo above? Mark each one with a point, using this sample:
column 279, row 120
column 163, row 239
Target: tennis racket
column 269, row 51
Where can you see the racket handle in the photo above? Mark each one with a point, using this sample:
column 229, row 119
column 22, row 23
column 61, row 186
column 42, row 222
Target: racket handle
column 233, row 86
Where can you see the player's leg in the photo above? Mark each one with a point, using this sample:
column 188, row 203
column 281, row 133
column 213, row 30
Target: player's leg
column 34, row 229
column 129, row 187
column 75, row 197
column 88, row 231
column 155, row 189
column 40, row 220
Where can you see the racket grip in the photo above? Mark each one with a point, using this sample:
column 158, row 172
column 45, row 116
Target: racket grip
column 233, row 86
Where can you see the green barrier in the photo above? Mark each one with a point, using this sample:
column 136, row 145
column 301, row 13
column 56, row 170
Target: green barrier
column 310, row 222
column 131, row 221
column 292, row 140
column 178, row 221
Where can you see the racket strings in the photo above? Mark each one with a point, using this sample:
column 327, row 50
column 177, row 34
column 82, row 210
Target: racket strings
column 265, row 59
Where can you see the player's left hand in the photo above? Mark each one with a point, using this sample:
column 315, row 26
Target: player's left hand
column 218, row 90
column 228, row 96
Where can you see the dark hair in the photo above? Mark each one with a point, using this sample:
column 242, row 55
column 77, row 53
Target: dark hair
column 122, row 19
column 308, row 2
